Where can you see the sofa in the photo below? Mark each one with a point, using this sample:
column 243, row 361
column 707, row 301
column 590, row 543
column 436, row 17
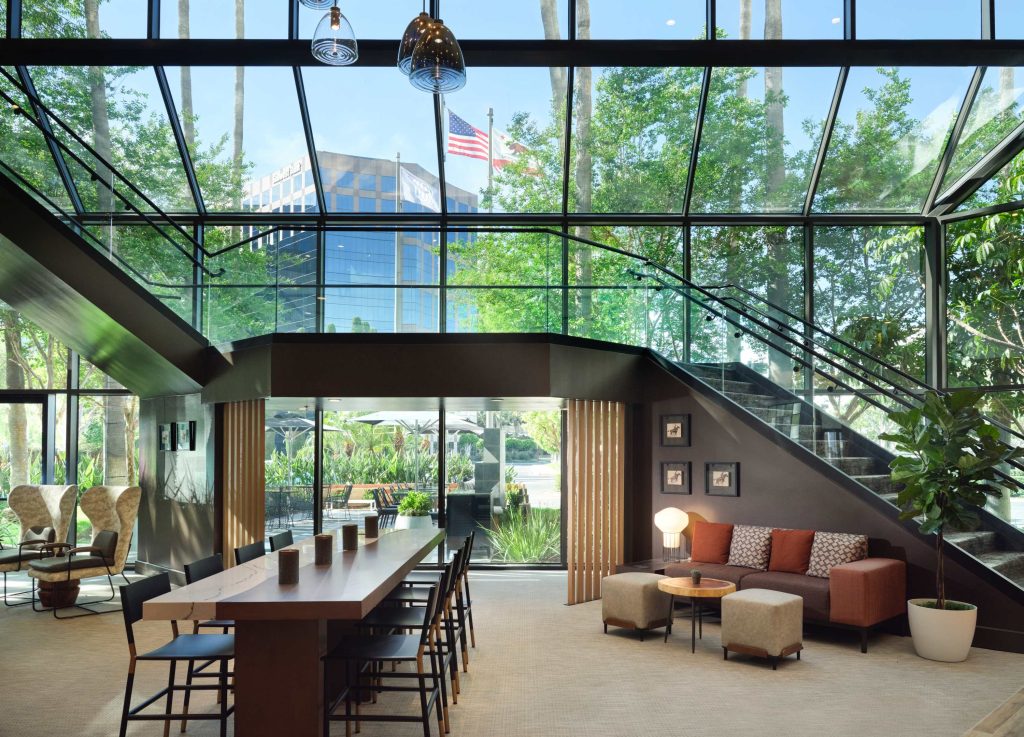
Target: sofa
column 839, row 584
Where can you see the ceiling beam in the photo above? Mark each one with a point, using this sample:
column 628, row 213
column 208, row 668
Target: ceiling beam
column 524, row 53
column 980, row 173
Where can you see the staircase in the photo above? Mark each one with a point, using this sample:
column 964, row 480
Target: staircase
column 855, row 455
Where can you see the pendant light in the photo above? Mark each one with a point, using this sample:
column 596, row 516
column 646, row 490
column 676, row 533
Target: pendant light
column 317, row 4
column 411, row 36
column 437, row 61
column 334, row 42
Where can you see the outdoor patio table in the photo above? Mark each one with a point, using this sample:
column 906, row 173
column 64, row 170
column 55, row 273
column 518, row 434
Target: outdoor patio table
column 281, row 632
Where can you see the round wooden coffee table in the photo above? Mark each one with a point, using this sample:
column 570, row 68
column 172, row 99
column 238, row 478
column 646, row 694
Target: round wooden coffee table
column 708, row 588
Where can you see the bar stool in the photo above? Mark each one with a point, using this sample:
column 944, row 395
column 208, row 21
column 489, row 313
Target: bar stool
column 281, row 540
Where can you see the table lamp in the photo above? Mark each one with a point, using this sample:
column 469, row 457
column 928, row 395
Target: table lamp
column 671, row 522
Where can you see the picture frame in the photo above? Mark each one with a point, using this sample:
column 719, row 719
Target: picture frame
column 675, row 431
column 722, row 478
column 185, row 435
column 164, row 438
column 676, row 478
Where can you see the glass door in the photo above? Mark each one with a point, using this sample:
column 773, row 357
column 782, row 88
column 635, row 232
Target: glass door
column 26, row 453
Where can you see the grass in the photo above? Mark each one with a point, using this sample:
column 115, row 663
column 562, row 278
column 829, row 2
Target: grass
column 531, row 538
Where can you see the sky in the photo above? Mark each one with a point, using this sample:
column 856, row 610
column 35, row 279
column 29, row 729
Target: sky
column 401, row 121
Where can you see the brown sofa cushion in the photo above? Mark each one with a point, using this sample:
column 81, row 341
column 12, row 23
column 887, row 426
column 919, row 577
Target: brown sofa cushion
column 815, row 591
column 733, row 574
column 711, row 542
column 791, row 550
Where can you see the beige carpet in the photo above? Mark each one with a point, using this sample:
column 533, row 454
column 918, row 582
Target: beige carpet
column 542, row 669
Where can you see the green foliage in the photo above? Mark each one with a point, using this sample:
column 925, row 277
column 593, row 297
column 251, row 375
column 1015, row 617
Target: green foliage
column 415, row 504
column 545, row 427
column 949, row 465
column 528, row 538
column 514, row 498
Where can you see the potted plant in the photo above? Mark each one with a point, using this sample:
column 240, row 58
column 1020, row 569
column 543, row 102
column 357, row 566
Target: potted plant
column 948, row 466
column 414, row 511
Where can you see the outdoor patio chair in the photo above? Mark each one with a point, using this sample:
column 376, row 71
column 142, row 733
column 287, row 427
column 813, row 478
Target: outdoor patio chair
column 218, row 649
column 340, row 501
column 300, row 503
column 112, row 511
column 43, row 514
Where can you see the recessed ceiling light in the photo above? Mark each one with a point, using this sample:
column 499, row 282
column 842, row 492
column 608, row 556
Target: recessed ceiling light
column 497, row 399
column 836, row 21
column 333, row 400
column 670, row 22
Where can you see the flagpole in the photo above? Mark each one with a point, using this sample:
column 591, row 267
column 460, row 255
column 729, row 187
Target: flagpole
column 490, row 158
column 398, row 239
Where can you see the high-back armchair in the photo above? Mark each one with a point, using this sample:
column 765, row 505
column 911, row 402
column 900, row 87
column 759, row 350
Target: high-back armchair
column 112, row 511
column 44, row 513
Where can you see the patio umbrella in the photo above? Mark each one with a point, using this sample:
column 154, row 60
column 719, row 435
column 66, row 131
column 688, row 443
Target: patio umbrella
column 291, row 426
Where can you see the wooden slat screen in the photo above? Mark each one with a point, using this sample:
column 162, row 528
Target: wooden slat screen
column 596, row 482
column 243, row 470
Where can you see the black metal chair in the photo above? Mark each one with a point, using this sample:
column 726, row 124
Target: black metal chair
column 18, row 557
column 300, row 504
column 363, row 657
column 68, row 567
column 281, row 540
column 197, row 571
column 252, row 551
column 182, row 648
column 340, row 501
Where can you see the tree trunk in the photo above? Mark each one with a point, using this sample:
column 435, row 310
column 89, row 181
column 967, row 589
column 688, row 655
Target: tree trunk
column 115, row 453
column 584, row 169
column 549, row 17
column 17, row 420
column 100, row 115
column 187, row 111
column 780, row 367
column 1006, row 91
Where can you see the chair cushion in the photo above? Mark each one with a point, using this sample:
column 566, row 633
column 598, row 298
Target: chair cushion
column 194, row 647
column 106, row 541
column 711, row 542
column 43, row 534
column 814, row 591
column 59, row 564
column 834, row 549
column 791, row 550
column 732, row 574
column 751, row 547
column 11, row 556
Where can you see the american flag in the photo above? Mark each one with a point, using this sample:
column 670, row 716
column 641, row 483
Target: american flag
column 464, row 139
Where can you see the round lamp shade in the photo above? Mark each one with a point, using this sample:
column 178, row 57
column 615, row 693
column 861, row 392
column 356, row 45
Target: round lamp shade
column 671, row 519
column 437, row 62
column 411, row 36
column 317, row 4
column 334, row 42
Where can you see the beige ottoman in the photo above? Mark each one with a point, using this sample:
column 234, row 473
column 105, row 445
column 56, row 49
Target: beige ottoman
column 769, row 624
column 632, row 600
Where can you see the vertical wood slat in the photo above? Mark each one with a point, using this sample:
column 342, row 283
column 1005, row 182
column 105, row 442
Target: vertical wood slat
column 595, row 447
column 243, row 481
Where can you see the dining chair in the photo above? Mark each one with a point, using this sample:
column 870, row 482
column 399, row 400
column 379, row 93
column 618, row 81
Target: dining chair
column 362, row 658
column 197, row 571
column 182, row 648
column 281, row 540
column 252, row 551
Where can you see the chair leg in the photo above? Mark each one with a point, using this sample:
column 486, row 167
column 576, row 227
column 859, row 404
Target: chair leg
column 188, row 693
column 423, row 701
column 170, row 696
column 223, row 692
column 469, row 613
column 127, row 700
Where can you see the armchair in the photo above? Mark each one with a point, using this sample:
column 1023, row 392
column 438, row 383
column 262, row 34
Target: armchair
column 112, row 510
column 43, row 514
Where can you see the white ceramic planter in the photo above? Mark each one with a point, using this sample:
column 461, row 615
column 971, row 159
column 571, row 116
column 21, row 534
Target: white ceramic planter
column 406, row 522
column 942, row 634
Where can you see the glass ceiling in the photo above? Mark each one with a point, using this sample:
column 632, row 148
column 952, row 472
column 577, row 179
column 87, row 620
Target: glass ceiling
column 673, row 141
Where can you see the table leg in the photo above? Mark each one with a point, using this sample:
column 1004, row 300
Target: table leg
column 694, row 613
column 671, row 611
column 700, row 622
column 279, row 678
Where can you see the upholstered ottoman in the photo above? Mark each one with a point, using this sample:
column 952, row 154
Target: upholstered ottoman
column 632, row 600
column 769, row 624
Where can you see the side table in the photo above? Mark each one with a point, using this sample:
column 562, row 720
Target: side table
column 708, row 588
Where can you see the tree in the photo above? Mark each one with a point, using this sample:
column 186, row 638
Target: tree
column 545, row 427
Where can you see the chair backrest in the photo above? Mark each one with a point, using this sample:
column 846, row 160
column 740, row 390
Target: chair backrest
column 386, row 517
column 106, row 542
column 203, row 568
column 252, row 551
column 113, row 508
column 134, row 595
column 43, row 506
column 280, row 540
column 430, row 611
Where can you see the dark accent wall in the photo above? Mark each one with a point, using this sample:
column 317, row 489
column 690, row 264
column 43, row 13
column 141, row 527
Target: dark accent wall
column 176, row 518
column 779, row 489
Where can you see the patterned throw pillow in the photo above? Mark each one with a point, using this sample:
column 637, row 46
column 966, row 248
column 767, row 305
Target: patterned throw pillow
column 751, row 547
column 834, row 549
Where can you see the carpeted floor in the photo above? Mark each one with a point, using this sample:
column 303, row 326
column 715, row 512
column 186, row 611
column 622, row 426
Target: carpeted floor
column 542, row 669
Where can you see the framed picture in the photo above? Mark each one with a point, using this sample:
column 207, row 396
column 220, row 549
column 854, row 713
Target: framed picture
column 722, row 479
column 675, row 478
column 165, row 438
column 675, row 430
column 185, row 435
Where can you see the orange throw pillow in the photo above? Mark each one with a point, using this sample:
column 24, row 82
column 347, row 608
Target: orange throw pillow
column 711, row 542
column 791, row 551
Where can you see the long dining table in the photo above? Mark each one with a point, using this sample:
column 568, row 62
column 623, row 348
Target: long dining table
column 283, row 631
